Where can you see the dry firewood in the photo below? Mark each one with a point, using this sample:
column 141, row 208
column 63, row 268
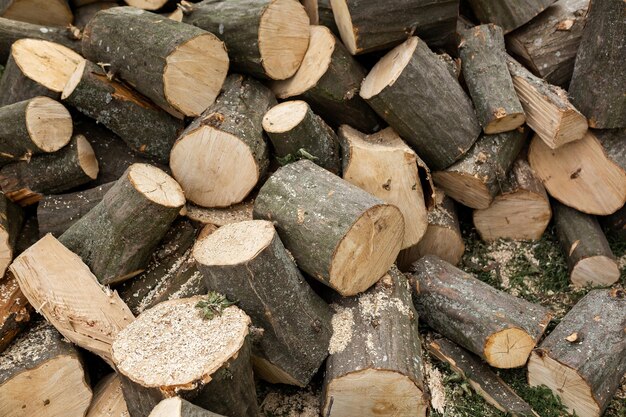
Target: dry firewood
column 15, row 311
column 548, row 111
column 584, row 358
column 264, row 38
column 147, row 4
column 80, row 3
column 548, row 43
column 11, row 219
column 580, row 174
column 311, row 10
column 481, row 378
column 597, row 86
column 220, row 216
column 337, row 233
column 227, row 142
column 42, row 375
column 326, row 17
column 520, row 212
column 615, row 224
column 177, row 407
column 116, row 238
column 384, row 166
column 375, row 362
column 440, row 122
column 174, row 349
column 247, row 262
column 108, row 400
column 497, row 326
column 296, row 132
column 329, row 79
column 186, row 65
column 26, row 182
column 83, row 14
column 508, row 14
column 48, row 12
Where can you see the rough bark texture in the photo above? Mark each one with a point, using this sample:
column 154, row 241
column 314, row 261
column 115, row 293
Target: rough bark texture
column 508, row 14
column 597, row 86
column 615, row 224
column 16, row 87
column 15, row 311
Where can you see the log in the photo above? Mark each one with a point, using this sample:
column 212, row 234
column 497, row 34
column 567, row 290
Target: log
column 144, row 127
column 147, row 4
column 177, row 407
column 247, row 262
column 48, row 12
column 295, row 131
column 496, row 326
column 520, row 212
column 580, row 175
column 337, row 233
column 264, row 38
column 440, row 122
column 42, row 375
column 83, row 14
column 476, row 178
column 375, row 362
column 329, row 79
column 31, row 127
column 384, row 166
column 488, row 79
column 15, row 312
column 311, row 10
column 508, row 14
column 108, row 400
column 28, row 236
column 11, row 220
column 548, row 111
column 26, row 182
column 587, row 250
column 597, row 86
column 172, row 349
column 547, row 45
column 367, row 26
column 232, row 131
column 326, row 17
column 220, row 216
column 481, row 378
column 183, row 59
column 582, row 360
column 615, row 224
column 116, row 238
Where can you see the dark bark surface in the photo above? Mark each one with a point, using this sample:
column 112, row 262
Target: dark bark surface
column 16, row 87
column 508, row 14
column 614, row 144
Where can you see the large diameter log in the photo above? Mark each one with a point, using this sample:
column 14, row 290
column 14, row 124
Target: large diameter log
column 226, row 141
column 583, row 359
column 384, row 166
column 375, row 362
column 179, row 67
column 108, row 400
column 548, row 44
column 177, row 407
column 597, row 86
column 173, row 349
column 41, row 374
column 116, row 238
column 55, row 12
column 26, row 182
column 498, row 327
column 15, row 311
column 439, row 122
column 11, row 219
column 329, row 79
column 337, row 233
column 247, row 262
column 264, row 38
column 508, row 14
column 488, row 79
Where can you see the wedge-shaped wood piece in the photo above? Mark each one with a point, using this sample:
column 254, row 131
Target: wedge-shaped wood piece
column 177, row 407
column 508, row 14
column 48, row 12
column 108, row 400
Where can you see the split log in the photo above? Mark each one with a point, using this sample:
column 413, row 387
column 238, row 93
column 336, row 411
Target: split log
column 42, row 375
column 580, row 175
column 173, row 349
column 548, row 43
column 36, row 68
column 11, row 219
column 597, row 86
column 108, row 400
column 83, row 14
column 295, row 132
column 179, row 67
column 226, row 141
column 476, row 178
column 520, row 212
column 384, row 166
column 48, row 12
column 508, row 14
column 147, row 4
column 264, row 38
column 220, row 216
column 481, row 378
column 177, row 407
column 145, row 128
column 375, row 362
column 247, row 262
column 15, row 311
column 30, row 127
column 26, row 182
column 587, row 250
column 371, row 25
column 337, row 233
column 548, row 111
column 583, row 359
column 116, row 238
column 329, row 79
column 63, row 289
column 497, row 326
column 488, row 79
column 440, row 122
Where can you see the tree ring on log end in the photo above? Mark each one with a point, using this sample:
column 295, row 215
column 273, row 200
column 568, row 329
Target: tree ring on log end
column 49, row 124
column 343, row 19
column 508, row 348
column 595, row 270
column 388, row 69
column 86, row 157
column 156, row 185
column 505, row 123
column 285, row 116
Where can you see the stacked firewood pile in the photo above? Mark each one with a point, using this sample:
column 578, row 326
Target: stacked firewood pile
column 202, row 195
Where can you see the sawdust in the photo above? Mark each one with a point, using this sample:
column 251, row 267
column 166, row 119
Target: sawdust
column 343, row 324
column 436, row 387
column 371, row 305
column 31, row 346
column 304, row 403
column 504, row 253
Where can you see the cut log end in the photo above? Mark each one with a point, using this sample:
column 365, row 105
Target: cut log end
column 505, row 123
column 341, row 13
column 87, row 157
column 466, row 189
column 147, row 4
column 156, row 185
column 595, row 270
column 444, row 242
column 508, row 348
column 285, row 116
column 49, row 124
column 388, row 69
column 170, row 407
